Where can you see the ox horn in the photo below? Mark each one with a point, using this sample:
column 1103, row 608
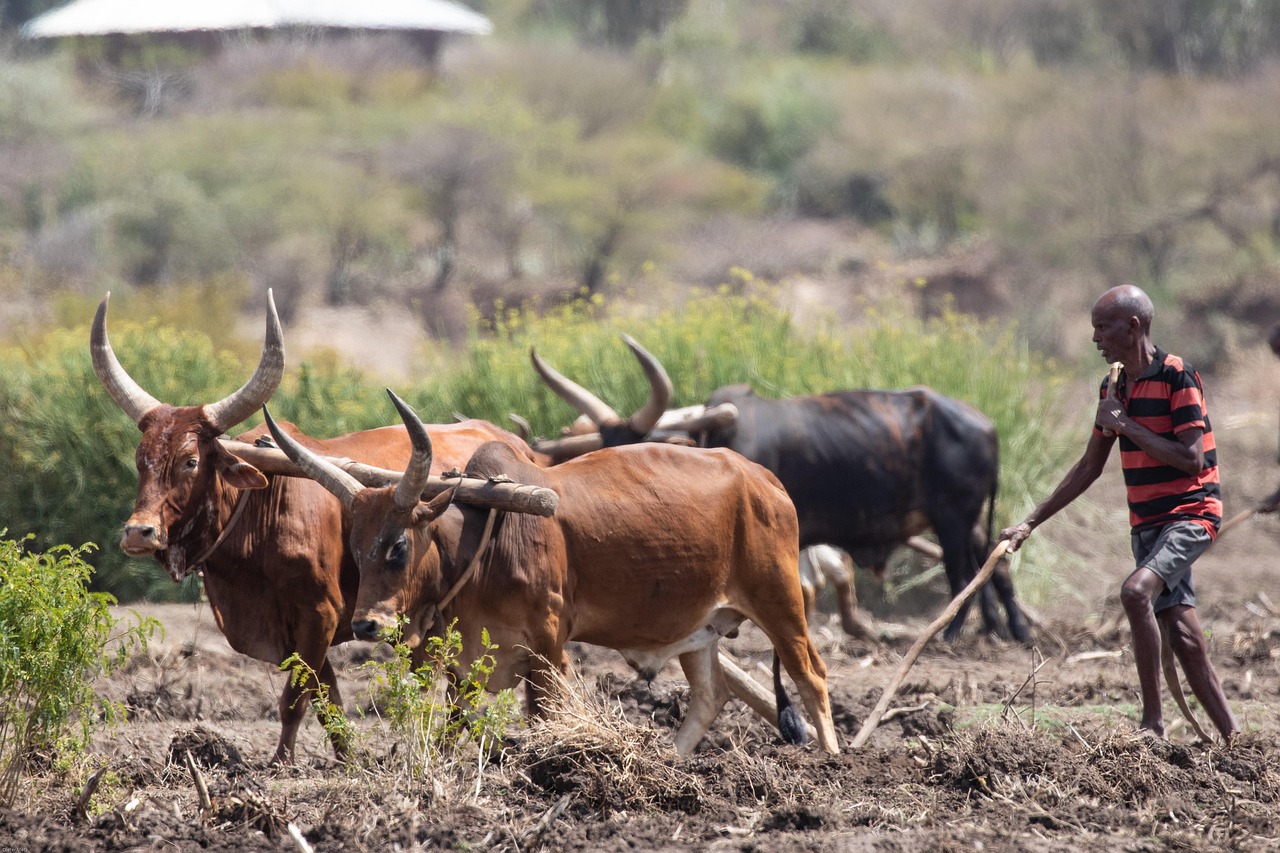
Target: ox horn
column 337, row 482
column 127, row 393
column 231, row 410
column 418, row 471
column 643, row 421
column 660, row 390
column 695, row 419
column 523, row 427
column 573, row 393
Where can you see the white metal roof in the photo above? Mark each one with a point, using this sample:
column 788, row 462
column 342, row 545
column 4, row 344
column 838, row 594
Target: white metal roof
column 98, row 17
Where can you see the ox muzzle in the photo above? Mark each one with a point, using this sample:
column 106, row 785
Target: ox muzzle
column 143, row 536
column 374, row 626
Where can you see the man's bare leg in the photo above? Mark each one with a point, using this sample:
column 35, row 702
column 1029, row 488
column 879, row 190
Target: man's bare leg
column 1137, row 593
column 1186, row 636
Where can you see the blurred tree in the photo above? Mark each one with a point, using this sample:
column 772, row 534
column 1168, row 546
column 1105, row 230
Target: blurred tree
column 620, row 23
column 1194, row 36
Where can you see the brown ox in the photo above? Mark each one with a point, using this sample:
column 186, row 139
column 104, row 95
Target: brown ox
column 655, row 551
column 270, row 549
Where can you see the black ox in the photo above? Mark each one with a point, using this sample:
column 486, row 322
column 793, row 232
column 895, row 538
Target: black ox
column 869, row 469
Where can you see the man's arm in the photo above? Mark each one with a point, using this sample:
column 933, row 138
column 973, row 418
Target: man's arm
column 1073, row 485
column 1184, row 452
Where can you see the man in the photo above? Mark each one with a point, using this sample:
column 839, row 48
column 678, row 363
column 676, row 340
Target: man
column 1272, row 503
column 1169, row 459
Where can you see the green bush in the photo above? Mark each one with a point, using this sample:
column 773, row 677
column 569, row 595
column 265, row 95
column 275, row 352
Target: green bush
column 54, row 635
column 770, row 123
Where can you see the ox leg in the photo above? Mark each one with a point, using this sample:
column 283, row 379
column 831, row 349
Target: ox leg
column 802, row 662
column 544, row 680
column 293, row 709
column 707, row 694
column 810, row 601
column 1002, row 583
column 958, row 558
column 842, row 580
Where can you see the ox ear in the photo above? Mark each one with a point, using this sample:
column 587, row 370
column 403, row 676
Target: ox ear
column 434, row 508
column 235, row 472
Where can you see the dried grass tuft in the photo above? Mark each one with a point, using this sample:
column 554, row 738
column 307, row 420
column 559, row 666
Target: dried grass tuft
column 586, row 747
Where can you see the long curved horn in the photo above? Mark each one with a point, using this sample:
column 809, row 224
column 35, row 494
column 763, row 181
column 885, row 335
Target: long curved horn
column 523, row 429
column 337, row 482
column 231, row 410
column 660, row 390
column 409, row 489
column 698, row 418
column 573, row 393
column 127, row 393
column 569, row 447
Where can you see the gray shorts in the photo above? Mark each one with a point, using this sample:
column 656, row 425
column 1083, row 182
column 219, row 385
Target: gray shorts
column 1169, row 551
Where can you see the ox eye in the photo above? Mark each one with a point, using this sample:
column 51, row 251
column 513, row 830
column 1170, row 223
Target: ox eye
column 192, row 463
column 398, row 555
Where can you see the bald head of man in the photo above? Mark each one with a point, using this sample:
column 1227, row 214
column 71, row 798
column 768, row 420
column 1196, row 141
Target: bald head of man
column 1126, row 300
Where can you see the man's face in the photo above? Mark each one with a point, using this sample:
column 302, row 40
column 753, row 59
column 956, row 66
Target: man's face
column 1113, row 332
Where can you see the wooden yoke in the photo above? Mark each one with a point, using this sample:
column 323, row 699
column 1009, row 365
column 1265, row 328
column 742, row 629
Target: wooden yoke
column 509, row 497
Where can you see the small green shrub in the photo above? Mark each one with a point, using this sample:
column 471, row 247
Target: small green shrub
column 54, row 637
column 427, row 724
column 407, row 701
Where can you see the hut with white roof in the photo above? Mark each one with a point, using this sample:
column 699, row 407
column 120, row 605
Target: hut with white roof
column 196, row 21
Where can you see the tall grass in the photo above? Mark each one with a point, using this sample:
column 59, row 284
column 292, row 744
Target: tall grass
column 67, row 450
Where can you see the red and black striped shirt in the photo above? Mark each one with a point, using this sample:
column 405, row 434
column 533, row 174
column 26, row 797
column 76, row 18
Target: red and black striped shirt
column 1167, row 399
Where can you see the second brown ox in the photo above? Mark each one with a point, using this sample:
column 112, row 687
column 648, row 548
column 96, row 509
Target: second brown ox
column 654, row 551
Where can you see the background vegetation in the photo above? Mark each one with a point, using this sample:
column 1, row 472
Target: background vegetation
column 69, row 465
column 936, row 191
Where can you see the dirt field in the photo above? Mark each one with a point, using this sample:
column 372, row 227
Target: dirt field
column 992, row 747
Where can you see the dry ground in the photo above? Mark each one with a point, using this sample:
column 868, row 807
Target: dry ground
column 996, row 747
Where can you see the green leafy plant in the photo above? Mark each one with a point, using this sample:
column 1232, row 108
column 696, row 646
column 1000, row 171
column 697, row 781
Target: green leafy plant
column 55, row 638
column 406, row 693
column 428, row 702
column 332, row 719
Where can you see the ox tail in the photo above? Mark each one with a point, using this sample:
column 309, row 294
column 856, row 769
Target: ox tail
column 790, row 723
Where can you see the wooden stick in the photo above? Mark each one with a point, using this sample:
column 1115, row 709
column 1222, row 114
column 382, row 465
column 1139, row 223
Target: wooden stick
column 924, row 546
column 1113, row 376
column 511, row 497
column 1234, row 521
column 937, row 625
column 202, row 790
